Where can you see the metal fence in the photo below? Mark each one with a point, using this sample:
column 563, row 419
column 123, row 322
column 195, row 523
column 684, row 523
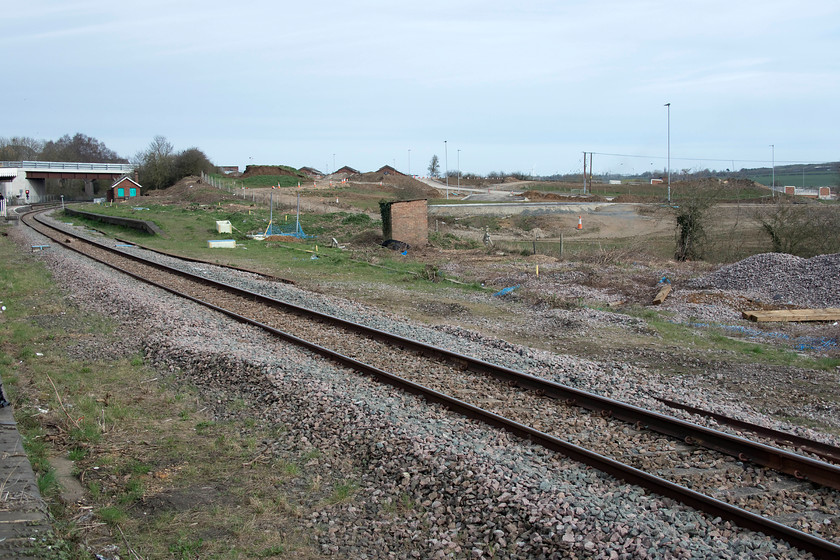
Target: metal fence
column 109, row 167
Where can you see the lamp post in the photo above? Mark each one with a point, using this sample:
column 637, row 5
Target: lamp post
column 773, row 181
column 668, row 105
column 459, row 168
column 409, row 162
column 446, row 163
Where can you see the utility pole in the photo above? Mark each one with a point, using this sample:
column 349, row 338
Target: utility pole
column 446, row 164
column 459, row 168
column 584, row 172
column 668, row 105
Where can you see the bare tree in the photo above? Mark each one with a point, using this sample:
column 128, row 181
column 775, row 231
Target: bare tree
column 434, row 167
column 690, row 214
column 804, row 230
column 79, row 148
column 156, row 164
column 20, row 148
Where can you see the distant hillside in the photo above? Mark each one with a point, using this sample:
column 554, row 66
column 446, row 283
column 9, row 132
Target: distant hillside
column 798, row 175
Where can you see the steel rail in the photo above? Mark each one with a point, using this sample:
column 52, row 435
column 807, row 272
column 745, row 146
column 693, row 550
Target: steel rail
column 799, row 539
column 744, row 449
column 824, row 450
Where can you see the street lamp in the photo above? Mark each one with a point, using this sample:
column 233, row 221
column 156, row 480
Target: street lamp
column 668, row 105
column 773, row 183
column 446, row 160
column 459, row 168
column 446, row 172
column 409, row 162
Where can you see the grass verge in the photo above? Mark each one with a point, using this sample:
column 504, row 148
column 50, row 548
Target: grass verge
column 161, row 476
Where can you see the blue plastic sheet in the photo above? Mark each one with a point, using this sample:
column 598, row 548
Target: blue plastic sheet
column 505, row 291
column 798, row 343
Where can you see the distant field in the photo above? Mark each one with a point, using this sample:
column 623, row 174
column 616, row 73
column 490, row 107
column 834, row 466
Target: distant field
column 799, row 180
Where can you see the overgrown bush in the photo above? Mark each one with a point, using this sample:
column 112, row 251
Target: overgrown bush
column 690, row 214
column 804, row 230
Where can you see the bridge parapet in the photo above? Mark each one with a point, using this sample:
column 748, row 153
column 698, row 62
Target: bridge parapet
column 70, row 166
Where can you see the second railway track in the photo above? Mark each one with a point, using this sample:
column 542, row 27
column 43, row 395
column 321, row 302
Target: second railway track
column 793, row 503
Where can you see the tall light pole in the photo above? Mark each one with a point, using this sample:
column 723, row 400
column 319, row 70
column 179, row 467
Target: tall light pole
column 773, row 156
column 333, row 163
column 459, row 168
column 446, row 160
column 668, row 105
column 409, row 162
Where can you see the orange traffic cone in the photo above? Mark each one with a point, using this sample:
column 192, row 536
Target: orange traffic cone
column 580, row 222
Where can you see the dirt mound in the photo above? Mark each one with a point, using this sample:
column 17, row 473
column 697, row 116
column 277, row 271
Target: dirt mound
column 254, row 170
column 401, row 185
column 188, row 190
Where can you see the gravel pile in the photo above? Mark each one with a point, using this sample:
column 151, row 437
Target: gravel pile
column 432, row 484
column 781, row 278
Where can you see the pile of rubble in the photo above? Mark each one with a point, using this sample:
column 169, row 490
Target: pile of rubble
column 781, row 279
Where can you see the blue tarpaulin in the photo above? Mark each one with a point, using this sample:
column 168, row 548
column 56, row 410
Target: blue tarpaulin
column 505, row 291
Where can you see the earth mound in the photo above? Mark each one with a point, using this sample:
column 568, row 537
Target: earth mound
column 254, row 170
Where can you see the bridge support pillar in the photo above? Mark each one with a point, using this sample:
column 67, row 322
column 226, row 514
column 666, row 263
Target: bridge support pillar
column 88, row 188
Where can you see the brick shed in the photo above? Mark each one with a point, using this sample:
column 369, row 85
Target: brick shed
column 406, row 221
column 123, row 189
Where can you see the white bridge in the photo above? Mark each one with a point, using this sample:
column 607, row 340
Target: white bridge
column 24, row 182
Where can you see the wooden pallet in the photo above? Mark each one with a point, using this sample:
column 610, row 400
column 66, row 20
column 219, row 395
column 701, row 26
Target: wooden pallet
column 792, row 315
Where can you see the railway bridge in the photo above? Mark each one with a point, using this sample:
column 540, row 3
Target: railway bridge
column 23, row 182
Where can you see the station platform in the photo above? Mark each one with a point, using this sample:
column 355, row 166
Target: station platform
column 23, row 514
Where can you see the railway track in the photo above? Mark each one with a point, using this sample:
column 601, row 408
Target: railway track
column 723, row 475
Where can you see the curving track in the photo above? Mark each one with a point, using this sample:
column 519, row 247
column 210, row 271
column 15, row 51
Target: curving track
column 723, row 475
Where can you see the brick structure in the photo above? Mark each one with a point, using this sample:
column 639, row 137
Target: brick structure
column 122, row 190
column 408, row 222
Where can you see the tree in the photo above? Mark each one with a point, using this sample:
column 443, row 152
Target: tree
column 79, row 148
column 804, row 230
column 156, row 165
column 192, row 162
column 20, row 148
column 434, row 167
column 690, row 214
column 159, row 166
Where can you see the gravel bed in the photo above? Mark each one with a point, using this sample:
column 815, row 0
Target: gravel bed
column 475, row 492
column 618, row 380
column 781, row 278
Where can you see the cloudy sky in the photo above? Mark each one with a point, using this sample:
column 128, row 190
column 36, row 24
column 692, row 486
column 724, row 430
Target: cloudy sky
column 486, row 85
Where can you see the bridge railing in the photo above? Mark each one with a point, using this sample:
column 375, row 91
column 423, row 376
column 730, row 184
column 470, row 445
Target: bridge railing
column 70, row 166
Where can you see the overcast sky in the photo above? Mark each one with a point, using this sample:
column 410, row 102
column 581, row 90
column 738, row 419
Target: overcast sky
column 515, row 86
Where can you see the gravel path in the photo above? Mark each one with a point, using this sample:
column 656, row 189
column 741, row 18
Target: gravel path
column 431, row 484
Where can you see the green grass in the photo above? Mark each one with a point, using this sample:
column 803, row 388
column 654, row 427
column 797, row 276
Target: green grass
column 718, row 340
column 810, row 180
column 124, row 444
column 188, row 229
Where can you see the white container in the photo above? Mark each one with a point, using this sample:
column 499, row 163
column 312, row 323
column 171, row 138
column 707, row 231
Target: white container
column 223, row 226
column 221, row 243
